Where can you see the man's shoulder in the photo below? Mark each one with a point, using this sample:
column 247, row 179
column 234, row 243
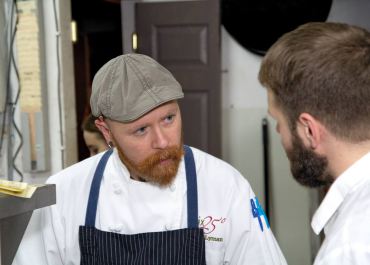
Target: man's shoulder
column 77, row 171
column 217, row 170
column 207, row 160
column 351, row 221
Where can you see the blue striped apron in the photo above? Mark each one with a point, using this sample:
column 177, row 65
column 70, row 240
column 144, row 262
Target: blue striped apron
column 177, row 247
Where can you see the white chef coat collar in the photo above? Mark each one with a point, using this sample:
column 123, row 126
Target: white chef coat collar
column 344, row 184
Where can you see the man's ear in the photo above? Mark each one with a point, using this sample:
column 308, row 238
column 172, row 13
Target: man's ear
column 310, row 130
column 103, row 128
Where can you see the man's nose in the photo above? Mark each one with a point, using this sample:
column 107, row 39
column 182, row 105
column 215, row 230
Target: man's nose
column 160, row 140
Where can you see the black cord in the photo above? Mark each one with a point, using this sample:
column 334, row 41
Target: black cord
column 15, row 67
column 58, row 83
column 18, row 79
column 266, row 165
column 18, row 150
column 9, row 104
column 7, row 92
column 19, row 133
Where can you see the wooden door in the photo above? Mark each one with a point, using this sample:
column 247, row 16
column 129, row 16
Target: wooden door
column 185, row 38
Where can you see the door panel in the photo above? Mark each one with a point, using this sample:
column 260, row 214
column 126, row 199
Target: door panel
column 195, row 105
column 185, row 38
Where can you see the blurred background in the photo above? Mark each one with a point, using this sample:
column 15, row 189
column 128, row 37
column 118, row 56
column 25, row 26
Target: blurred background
column 51, row 49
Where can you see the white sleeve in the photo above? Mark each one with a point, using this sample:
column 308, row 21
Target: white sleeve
column 30, row 250
column 349, row 254
column 249, row 236
column 53, row 234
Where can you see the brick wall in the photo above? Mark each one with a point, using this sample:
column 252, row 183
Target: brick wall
column 28, row 55
column 27, row 42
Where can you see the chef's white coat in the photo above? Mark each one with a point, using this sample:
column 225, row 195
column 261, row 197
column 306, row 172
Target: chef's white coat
column 345, row 216
column 233, row 235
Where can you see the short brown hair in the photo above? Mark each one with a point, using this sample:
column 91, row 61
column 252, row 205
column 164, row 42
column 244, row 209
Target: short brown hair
column 323, row 69
column 88, row 124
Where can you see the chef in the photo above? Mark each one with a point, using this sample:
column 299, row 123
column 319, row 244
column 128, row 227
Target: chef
column 150, row 199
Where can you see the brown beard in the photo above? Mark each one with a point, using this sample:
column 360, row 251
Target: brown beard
column 307, row 167
column 151, row 170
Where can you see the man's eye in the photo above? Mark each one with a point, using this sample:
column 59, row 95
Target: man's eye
column 169, row 118
column 140, row 131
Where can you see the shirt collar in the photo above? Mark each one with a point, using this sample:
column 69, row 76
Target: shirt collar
column 344, row 184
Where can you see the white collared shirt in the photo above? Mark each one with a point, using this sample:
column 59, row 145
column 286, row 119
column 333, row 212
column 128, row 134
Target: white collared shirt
column 344, row 214
column 233, row 234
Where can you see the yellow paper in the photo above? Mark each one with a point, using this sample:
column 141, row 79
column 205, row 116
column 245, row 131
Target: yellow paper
column 14, row 186
column 18, row 189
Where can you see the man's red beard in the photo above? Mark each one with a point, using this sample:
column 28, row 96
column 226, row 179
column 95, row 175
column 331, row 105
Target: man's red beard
column 159, row 168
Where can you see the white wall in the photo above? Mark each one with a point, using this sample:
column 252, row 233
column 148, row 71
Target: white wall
column 64, row 154
column 244, row 106
column 356, row 12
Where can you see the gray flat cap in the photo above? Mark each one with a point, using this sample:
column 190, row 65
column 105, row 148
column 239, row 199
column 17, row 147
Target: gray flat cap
column 129, row 86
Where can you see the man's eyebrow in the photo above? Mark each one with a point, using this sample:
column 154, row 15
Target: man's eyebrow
column 170, row 112
column 140, row 125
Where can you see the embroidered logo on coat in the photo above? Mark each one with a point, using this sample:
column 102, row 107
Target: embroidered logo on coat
column 257, row 212
column 210, row 225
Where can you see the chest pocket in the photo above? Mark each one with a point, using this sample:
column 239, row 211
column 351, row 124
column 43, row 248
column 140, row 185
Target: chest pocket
column 215, row 251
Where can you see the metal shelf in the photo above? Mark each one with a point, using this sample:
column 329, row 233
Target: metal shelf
column 15, row 213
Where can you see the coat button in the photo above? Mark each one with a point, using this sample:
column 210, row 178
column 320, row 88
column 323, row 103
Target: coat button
column 169, row 227
column 118, row 191
column 117, row 188
column 115, row 228
column 172, row 187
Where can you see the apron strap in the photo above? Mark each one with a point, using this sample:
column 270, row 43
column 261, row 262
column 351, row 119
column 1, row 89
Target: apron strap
column 95, row 188
column 192, row 192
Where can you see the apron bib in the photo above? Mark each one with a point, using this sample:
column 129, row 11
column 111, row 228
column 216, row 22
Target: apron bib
column 177, row 247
